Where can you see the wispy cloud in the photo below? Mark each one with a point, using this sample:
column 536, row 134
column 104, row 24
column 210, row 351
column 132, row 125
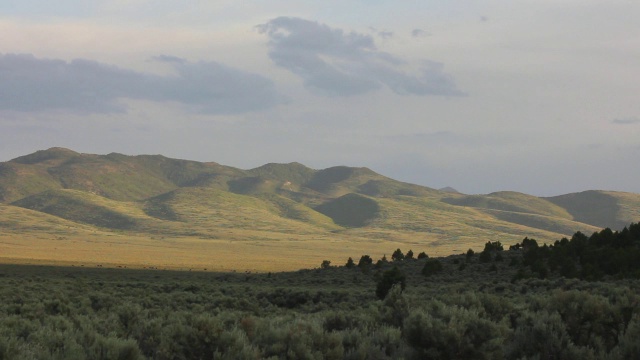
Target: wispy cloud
column 626, row 121
column 31, row 84
column 336, row 63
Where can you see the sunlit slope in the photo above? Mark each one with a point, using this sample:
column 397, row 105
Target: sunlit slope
column 206, row 209
column 601, row 208
column 86, row 208
column 18, row 181
column 522, row 209
column 422, row 220
column 18, row 221
column 114, row 176
column 341, row 180
column 510, row 201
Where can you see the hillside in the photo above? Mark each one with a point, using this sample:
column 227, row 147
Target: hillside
column 289, row 214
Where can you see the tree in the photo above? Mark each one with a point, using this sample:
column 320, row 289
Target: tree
column 350, row 263
column 409, row 255
column 365, row 261
column 397, row 255
column 423, row 255
column 493, row 246
column 470, row 254
column 325, row 264
column 390, row 278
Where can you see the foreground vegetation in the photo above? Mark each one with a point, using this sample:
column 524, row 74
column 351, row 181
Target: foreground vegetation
column 490, row 305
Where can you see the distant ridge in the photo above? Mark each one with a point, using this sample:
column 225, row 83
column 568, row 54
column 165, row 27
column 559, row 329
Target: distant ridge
column 152, row 195
column 449, row 190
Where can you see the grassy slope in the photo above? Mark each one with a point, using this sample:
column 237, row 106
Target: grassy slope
column 601, row 208
column 279, row 209
column 523, row 209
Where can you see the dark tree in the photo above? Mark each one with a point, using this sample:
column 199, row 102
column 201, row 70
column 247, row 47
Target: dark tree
column 409, row 255
column 423, row 255
column 350, row 263
column 365, row 261
column 325, row 264
column 390, row 278
column 397, row 255
column 493, row 246
column 470, row 254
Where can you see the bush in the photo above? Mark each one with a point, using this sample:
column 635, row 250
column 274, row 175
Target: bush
column 431, row 267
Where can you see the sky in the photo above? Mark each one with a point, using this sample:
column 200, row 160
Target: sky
column 536, row 96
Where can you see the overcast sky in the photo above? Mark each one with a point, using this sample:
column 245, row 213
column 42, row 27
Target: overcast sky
column 536, row 96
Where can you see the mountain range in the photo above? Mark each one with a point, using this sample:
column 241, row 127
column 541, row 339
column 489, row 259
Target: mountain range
column 150, row 210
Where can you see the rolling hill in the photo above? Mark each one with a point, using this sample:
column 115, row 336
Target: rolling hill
column 277, row 216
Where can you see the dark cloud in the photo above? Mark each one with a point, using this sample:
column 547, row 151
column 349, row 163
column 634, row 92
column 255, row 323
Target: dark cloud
column 627, row 121
column 31, row 84
column 336, row 63
column 419, row 33
column 169, row 59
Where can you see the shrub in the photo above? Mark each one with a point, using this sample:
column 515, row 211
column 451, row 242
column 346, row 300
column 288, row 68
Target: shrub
column 431, row 267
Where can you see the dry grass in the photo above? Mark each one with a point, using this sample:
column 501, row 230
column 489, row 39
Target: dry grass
column 222, row 231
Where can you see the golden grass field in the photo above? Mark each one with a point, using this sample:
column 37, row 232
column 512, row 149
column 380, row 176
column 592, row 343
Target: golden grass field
column 252, row 240
column 201, row 254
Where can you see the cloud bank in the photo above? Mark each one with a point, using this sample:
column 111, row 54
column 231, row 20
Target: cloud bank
column 334, row 63
column 31, row 84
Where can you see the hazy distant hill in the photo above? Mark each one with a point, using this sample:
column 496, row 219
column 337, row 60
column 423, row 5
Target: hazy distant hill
column 155, row 195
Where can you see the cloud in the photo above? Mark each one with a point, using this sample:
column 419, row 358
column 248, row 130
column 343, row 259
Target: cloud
column 31, row 84
column 335, row 63
column 419, row 33
column 626, row 121
column 168, row 59
column 383, row 34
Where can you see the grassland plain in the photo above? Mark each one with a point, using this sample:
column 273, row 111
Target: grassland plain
column 59, row 206
column 506, row 305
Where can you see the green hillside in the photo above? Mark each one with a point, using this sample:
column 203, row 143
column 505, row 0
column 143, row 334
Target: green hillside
column 512, row 202
column 82, row 207
column 147, row 196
